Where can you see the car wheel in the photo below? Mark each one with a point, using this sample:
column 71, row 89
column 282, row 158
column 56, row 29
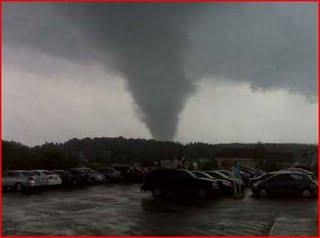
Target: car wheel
column 306, row 193
column 156, row 192
column 19, row 187
column 262, row 192
column 202, row 193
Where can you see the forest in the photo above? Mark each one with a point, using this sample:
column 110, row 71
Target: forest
column 105, row 151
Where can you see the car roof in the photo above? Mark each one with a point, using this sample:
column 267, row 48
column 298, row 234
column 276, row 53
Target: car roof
column 17, row 171
column 287, row 173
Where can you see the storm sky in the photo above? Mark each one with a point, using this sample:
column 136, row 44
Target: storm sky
column 210, row 72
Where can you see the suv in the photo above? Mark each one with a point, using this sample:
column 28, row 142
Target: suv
column 286, row 183
column 181, row 183
column 20, row 180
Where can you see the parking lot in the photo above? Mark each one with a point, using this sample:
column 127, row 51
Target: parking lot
column 125, row 210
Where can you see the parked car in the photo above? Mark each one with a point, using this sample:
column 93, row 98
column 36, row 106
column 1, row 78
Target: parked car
column 66, row 177
column 225, row 186
column 89, row 175
column 286, row 183
column 110, row 174
column 232, row 180
column 130, row 174
column 79, row 175
column 47, row 177
column 180, row 183
column 267, row 175
column 19, row 180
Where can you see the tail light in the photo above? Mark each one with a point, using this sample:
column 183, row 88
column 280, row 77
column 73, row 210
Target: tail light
column 32, row 179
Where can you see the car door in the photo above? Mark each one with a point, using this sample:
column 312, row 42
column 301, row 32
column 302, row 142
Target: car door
column 299, row 183
column 183, row 182
column 8, row 179
column 280, row 184
column 41, row 177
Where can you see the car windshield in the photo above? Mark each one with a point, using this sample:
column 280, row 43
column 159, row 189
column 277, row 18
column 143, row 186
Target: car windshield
column 106, row 170
column 29, row 173
column 36, row 173
column 77, row 171
column 201, row 174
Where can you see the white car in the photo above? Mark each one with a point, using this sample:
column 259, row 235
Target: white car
column 20, row 180
column 48, row 177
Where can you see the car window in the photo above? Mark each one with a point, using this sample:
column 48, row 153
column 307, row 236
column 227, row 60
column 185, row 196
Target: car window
column 29, row 173
column 204, row 175
column 280, row 178
column 182, row 175
column 10, row 174
column 219, row 175
column 212, row 174
column 17, row 174
column 296, row 176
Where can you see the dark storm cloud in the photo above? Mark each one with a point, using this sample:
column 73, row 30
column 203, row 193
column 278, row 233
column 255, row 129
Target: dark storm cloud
column 161, row 49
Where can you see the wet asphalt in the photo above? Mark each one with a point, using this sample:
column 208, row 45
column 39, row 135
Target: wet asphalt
column 124, row 210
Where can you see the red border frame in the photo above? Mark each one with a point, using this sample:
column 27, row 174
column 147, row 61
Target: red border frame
column 165, row 1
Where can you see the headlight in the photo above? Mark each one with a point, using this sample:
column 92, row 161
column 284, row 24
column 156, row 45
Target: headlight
column 226, row 183
column 214, row 184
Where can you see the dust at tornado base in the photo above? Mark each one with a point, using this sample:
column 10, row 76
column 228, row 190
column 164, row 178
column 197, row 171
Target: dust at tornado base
column 125, row 210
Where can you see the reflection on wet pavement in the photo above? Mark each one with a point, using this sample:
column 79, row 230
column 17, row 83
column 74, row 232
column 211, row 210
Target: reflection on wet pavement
column 124, row 210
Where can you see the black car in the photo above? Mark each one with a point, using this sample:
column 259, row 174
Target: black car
column 66, row 177
column 110, row 174
column 225, row 186
column 286, row 183
column 80, row 176
column 130, row 174
column 232, row 180
column 179, row 183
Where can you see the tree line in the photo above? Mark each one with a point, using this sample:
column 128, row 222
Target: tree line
column 105, row 151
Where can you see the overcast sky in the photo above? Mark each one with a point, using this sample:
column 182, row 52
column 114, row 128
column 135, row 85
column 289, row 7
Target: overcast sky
column 214, row 73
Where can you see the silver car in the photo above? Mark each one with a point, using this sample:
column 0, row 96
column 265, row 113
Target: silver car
column 20, row 180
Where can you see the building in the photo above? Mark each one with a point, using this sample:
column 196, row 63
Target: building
column 227, row 163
